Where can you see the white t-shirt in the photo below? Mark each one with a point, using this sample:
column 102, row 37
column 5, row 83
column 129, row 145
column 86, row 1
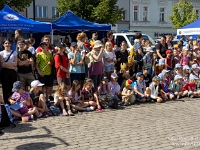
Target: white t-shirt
column 110, row 55
column 6, row 54
column 56, row 97
column 31, row 49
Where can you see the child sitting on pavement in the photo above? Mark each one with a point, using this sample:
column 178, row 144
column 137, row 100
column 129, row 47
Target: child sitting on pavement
column 24, row 98
column 128, row 96
column 140, row 88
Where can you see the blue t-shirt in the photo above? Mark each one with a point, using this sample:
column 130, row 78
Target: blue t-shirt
column 147, row 59
column 72, row 68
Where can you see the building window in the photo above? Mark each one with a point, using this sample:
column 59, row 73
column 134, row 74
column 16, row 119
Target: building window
column 41, row 11
column 55, row 13
column 162, row 14
column 145, row 13
column 136, row 13
column 124, row 15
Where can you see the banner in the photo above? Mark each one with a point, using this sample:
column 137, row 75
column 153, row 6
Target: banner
column 189, row 31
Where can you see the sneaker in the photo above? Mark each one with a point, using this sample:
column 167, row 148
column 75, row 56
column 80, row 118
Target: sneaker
column 30, row 117
column 40, row 115
column 92, row 107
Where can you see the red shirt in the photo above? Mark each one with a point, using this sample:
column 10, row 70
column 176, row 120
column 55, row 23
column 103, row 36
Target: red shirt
column 113, row 42
column 58, row 63
column 38, row 50
column 169, row 62
column 191, row 85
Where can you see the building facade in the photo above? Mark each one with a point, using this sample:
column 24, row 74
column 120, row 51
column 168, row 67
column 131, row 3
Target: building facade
column 151, row 16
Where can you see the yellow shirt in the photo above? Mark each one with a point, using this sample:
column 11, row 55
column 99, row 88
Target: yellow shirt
column 42, row 61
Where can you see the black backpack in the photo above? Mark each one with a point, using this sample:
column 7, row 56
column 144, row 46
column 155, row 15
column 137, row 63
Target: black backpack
column 108, row 101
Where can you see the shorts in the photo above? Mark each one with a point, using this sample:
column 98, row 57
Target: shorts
column 26, row 79
column 82, row 76
column 75, row 76
column 47, row 80
column 67, row 81
column 109, row 68
column 137, row 96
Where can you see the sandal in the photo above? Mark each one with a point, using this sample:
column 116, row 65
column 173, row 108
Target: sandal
column 65, row 114
column 70, row 113
column 100, row 110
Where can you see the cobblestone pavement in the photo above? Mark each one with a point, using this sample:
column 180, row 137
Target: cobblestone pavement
column 173, row 125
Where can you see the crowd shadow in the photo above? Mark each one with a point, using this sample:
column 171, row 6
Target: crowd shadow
column 32, row 146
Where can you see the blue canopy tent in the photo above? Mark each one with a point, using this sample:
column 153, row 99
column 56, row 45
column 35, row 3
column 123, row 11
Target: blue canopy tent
column 11, row 20
column 192, row 29
column 69, row 21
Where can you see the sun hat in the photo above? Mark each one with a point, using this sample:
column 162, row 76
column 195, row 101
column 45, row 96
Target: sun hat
column 161, row 61
column 149, row 49
column 195, row 66
column 156, row 78
column 193, row 77
column 186, row 67
column 114, row 75
column 36, row 83
column 97, row 44
column 16, row 86
column 178, row 66
column 139, row 74
column 73, row 44
column 178, row 77
column 129, row 83
column 161, row 76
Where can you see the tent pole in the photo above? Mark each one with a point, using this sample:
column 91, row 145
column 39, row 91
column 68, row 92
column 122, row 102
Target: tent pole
column 52, row 37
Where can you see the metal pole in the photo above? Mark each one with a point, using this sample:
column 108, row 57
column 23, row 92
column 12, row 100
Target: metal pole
column 33, row 9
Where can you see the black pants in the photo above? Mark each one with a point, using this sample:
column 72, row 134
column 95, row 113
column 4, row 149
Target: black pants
column 8, row 77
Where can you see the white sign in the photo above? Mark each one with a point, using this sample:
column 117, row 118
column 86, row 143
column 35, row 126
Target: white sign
column 189, row 31
column 10, row 17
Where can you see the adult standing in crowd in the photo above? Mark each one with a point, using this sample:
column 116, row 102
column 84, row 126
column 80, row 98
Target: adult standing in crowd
column 17, row 36
column 182, row 39
column 96, row 67
column 66, row 42
column 44, row 61
column 110, row 38
column 49, row 47
column 8, row 59
column 139, row 50
column 25, row 65
column 1, row 45
column 168, row 42
column 81, row 37
column 93, row 39
column 161, row 48
column 62, row 66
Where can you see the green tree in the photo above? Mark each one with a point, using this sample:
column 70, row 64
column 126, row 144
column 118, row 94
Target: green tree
column 183, row 14
column 100, row 11
column 16, row 4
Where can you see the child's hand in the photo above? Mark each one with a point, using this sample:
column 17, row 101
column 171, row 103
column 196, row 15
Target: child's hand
column 12, row 101
column 98, row 106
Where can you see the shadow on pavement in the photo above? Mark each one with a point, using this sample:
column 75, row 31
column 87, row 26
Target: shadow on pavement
column 43, row 145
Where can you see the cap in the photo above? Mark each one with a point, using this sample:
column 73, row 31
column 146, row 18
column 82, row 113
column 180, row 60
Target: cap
column 16, row 86
column 195, row 66
column 186, row 67
column 161, row 76
column 36, row 83
column 149, row 49
column 193, row 77
column 165, row 71
column 190, row 38
column 139, row 74
column 114, row 75
column 146, row 67
column 161, row 61
column 177, row 77
column 168, row 51
column 42, row 43
column 156, row 78
column 61, row 44
column 129, row 83
column 105, row 79
column 97, row 44
column 73, row 44
column 178, row 66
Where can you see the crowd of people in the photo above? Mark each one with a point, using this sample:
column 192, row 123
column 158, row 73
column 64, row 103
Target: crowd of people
column 86, row 70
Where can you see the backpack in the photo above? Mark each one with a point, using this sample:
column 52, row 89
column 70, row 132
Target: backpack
column 6, row 118
column 108, row 101
column 55, row 110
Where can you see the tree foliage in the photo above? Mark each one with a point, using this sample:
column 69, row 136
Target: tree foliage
column 100, row 11
column 16, row 4
column 183, row 14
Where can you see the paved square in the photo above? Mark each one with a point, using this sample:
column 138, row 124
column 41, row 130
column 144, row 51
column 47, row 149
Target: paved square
column 166, row 126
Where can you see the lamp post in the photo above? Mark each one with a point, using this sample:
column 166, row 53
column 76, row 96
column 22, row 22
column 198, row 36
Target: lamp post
column 33, row 9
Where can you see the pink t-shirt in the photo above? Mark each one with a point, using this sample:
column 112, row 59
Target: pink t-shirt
column 185, row 60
